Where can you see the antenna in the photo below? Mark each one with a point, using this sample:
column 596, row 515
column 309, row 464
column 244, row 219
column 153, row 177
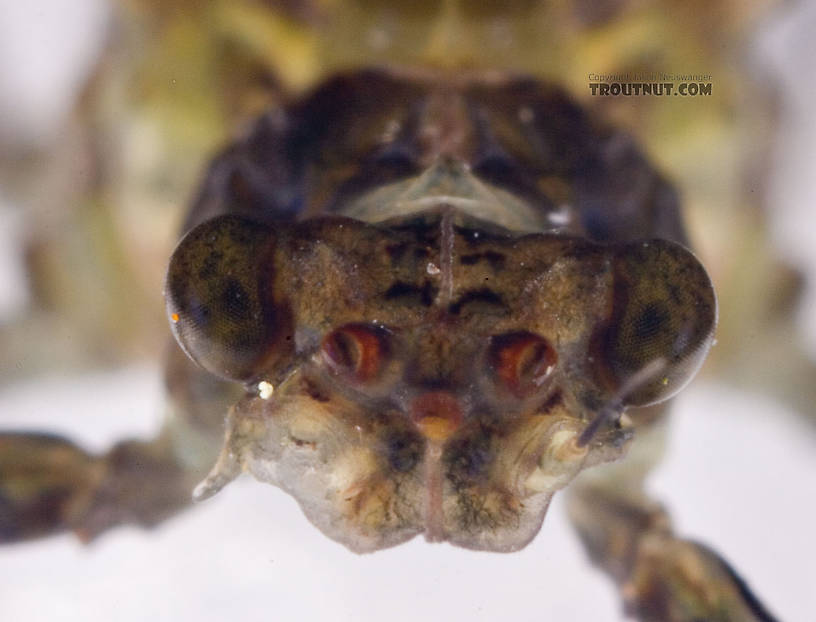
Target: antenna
column 613, row 407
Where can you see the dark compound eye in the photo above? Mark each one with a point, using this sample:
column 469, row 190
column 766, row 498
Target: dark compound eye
column 219, row 292
column 663, row 309
column 521, row 362
column 356, row 351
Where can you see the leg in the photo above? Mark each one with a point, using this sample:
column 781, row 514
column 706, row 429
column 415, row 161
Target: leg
column 49, row 485
column 662, row 578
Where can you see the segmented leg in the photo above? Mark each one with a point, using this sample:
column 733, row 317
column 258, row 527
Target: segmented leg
column 661, row 577
column 48, row 484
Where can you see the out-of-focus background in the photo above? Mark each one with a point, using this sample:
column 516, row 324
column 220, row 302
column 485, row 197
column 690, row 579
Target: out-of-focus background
column 109, row 110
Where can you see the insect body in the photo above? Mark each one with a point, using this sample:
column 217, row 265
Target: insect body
column 427, row 302
column 440, row 327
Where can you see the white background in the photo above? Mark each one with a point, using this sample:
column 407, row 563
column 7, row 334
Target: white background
column 740, row 473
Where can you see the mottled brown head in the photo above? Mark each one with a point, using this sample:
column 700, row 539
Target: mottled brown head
column 430, row 375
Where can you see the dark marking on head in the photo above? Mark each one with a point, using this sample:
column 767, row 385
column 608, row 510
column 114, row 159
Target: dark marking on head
column 396, row 251
column 403, row 450
column 424, row 231
column 496, row 260
column 424, row 294
column 469, row 458
column 483, row 296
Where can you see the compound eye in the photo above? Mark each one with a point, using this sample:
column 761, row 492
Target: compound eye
column 356, row 351
column 663, row 311
column 219, row 292
column 521, row 362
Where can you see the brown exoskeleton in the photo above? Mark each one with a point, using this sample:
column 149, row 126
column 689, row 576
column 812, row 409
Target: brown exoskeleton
column 428, row 303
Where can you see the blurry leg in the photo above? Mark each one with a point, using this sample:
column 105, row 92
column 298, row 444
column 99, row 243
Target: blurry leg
column 661, row 577
column 49, row 485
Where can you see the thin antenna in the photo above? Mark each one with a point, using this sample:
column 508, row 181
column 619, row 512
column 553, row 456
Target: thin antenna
column 226, row 469
column 644, row 375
